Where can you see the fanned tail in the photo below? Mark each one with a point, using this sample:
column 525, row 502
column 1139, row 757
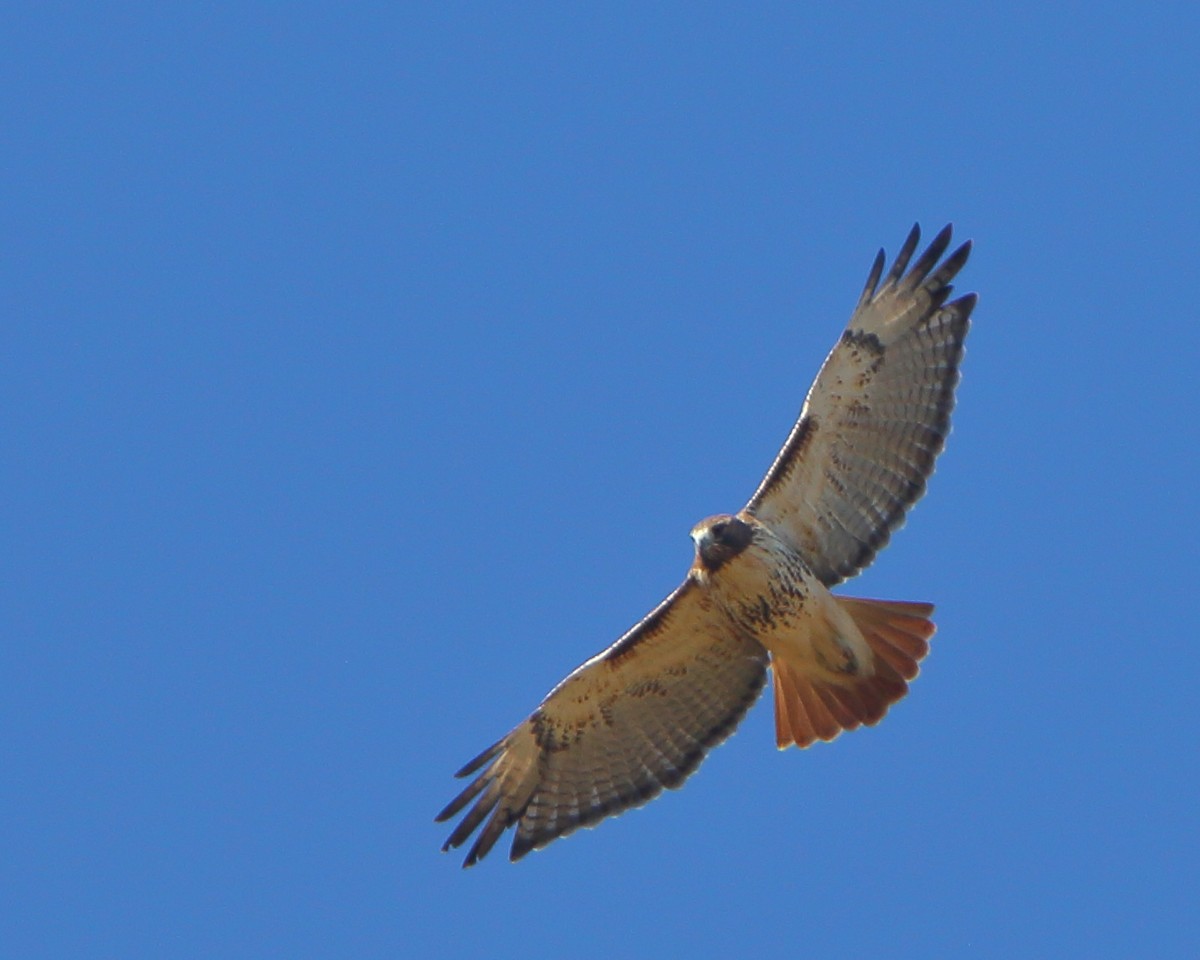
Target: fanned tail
column 809, row 708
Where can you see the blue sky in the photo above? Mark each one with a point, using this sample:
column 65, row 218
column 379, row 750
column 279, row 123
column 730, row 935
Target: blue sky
column 364, row 368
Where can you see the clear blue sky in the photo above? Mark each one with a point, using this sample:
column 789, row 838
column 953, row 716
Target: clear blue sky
column 363, row 368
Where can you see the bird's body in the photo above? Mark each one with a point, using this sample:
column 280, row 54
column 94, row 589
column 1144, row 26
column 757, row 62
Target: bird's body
column 828, row 675
column 641, row 715
column 768, row 593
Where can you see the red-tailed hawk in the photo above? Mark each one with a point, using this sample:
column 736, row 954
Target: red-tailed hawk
column 641, row 715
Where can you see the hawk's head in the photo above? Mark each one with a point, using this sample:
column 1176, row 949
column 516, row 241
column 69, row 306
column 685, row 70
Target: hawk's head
column 719, row 539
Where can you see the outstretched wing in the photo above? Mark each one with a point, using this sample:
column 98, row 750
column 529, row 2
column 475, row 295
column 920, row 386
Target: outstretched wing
column 876, row 417
column 636, row 718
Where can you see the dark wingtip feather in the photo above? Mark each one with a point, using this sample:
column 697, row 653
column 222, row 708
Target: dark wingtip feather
column 927, row 260
column 939, row 297
column 521, row 845
column 905, row 254
column 943, row 236
column 949, row 269
column 963, row 305
column 873, row 277
column 500, row 821
column 483, row 806
column 465, row 797
column 480, row 760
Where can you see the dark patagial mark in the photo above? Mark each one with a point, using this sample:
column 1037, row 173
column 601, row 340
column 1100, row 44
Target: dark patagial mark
column 650, row 625
column 802, row 435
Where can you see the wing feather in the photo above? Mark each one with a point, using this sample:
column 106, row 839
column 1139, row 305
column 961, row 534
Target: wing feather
column 876, row 417
column 638, row 717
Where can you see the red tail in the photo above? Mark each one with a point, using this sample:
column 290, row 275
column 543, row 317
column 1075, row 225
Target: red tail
column 810, row 708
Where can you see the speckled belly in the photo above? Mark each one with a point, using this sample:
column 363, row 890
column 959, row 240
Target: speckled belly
column 777, row 600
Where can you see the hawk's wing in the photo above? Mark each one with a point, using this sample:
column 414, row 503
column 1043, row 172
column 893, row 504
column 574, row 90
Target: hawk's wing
column 636, row 718
column 875, row 418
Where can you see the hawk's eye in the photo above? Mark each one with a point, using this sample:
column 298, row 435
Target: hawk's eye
column 718, row 530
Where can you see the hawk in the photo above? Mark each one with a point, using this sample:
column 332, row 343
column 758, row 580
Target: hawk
column 642, row 714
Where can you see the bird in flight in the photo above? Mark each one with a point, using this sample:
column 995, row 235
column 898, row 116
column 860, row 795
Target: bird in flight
column 642, row 714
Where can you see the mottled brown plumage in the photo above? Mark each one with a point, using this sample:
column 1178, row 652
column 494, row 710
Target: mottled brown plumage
column 641, row 715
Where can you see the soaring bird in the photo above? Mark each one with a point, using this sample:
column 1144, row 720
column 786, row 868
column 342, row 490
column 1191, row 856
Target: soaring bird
column 642, row 714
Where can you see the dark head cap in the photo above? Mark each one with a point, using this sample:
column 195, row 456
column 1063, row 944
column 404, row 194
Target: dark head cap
column 719, row 539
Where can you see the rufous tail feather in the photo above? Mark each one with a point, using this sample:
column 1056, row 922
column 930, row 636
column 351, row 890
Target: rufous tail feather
column 809, row 708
